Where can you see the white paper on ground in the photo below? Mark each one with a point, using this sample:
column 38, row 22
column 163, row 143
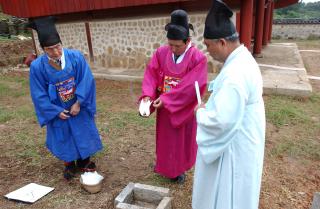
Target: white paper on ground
column 91, row 178
column 29, row 193
column 144, row 108
column 196, row 85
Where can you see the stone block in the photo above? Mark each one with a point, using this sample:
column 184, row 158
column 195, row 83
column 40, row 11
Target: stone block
column 116, row 62
column 126, row 195
column 132, row 63
column 165, row 203
column 142, row 196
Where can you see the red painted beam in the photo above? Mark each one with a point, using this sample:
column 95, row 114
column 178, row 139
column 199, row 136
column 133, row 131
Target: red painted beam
column 32, row 8
column 258, row 27
column 284, row 3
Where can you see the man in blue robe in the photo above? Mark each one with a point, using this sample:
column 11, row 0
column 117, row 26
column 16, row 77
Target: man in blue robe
column 231, row 125
column 63, row 92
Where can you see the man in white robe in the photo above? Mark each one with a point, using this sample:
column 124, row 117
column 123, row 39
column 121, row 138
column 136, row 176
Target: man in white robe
column 231, row 125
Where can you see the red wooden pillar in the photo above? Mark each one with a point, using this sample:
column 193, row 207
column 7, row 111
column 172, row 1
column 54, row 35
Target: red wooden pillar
column 258, row 34
column 238, row 22
column 271, row 22
column 246, row 14
column 266, row 23
column 89, row 41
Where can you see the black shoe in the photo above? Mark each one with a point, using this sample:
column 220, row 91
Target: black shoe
column 180, row 179
column 86, row 165
column 70, row 171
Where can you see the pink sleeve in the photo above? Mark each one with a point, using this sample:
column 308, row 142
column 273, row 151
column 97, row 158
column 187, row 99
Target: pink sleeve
column 181, row 101
column 151, row 78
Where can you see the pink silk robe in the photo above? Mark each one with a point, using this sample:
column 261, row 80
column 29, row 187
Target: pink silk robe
column 176, row 127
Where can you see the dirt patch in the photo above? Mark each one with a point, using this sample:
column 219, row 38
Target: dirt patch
column 14, row 52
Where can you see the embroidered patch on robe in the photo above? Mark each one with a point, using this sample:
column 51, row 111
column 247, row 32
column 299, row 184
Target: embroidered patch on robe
column 169, row 83
column 66, row 89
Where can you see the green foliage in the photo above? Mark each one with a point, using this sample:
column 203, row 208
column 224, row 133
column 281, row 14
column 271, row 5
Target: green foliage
column 297, row 148
column 299, row 118
column 5, row 115
column 20, row 113
column 281, row 111
column 299, row 10
column 3, row 16
column 13, row 86
column 121, row 121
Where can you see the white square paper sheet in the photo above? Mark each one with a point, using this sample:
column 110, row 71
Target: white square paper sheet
column 29, row 193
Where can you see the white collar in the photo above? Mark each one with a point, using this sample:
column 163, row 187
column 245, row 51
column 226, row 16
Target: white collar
column 234, row 53
column 62, row 59
column 182, row 55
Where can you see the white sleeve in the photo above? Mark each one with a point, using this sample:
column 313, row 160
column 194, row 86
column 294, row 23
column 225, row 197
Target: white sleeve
column 219, row 121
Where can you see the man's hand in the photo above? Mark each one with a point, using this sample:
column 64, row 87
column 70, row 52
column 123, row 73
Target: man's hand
column 157, row 103
column 144, row 107
column 75, row 109
column 64, row 115
column 145, row 99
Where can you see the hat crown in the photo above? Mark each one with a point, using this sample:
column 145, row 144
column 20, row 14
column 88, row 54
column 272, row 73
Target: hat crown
column 218, row 23
column 46, row 30
column 178, row 28
column 180, row 17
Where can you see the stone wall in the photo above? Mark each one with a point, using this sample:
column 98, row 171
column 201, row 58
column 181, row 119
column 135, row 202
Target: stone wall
column 295, row 31
column 127, row 44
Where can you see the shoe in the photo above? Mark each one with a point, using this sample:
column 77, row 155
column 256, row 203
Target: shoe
column 180, row 179
column 70, row 171
column 90, row 167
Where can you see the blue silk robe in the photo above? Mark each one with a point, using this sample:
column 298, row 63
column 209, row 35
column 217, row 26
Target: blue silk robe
column 52, row 91
column 230, row 138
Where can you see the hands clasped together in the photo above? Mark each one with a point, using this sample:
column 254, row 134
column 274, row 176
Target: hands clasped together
column 74, row 110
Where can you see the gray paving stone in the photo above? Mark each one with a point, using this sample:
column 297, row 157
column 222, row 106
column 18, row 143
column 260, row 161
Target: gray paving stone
column 316, row 201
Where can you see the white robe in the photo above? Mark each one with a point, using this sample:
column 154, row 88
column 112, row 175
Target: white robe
column 230, row 137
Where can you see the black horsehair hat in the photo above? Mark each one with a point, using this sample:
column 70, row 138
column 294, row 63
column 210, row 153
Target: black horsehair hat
column 178, row 28
column 46, row 30
column 218, row 23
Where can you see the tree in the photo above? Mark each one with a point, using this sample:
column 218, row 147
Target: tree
column 299, row 10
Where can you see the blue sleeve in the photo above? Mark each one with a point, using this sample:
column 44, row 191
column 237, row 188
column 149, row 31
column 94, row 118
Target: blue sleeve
column 45, row 110
column 86, row 86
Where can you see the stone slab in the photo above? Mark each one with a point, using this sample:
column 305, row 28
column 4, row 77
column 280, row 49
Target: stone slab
column 316, row 201
column 283, row 71
column 117, row 77
column 285, row 82
column 126, row 195
column 165, row 203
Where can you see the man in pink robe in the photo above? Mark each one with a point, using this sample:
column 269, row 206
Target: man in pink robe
column 169, row 81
